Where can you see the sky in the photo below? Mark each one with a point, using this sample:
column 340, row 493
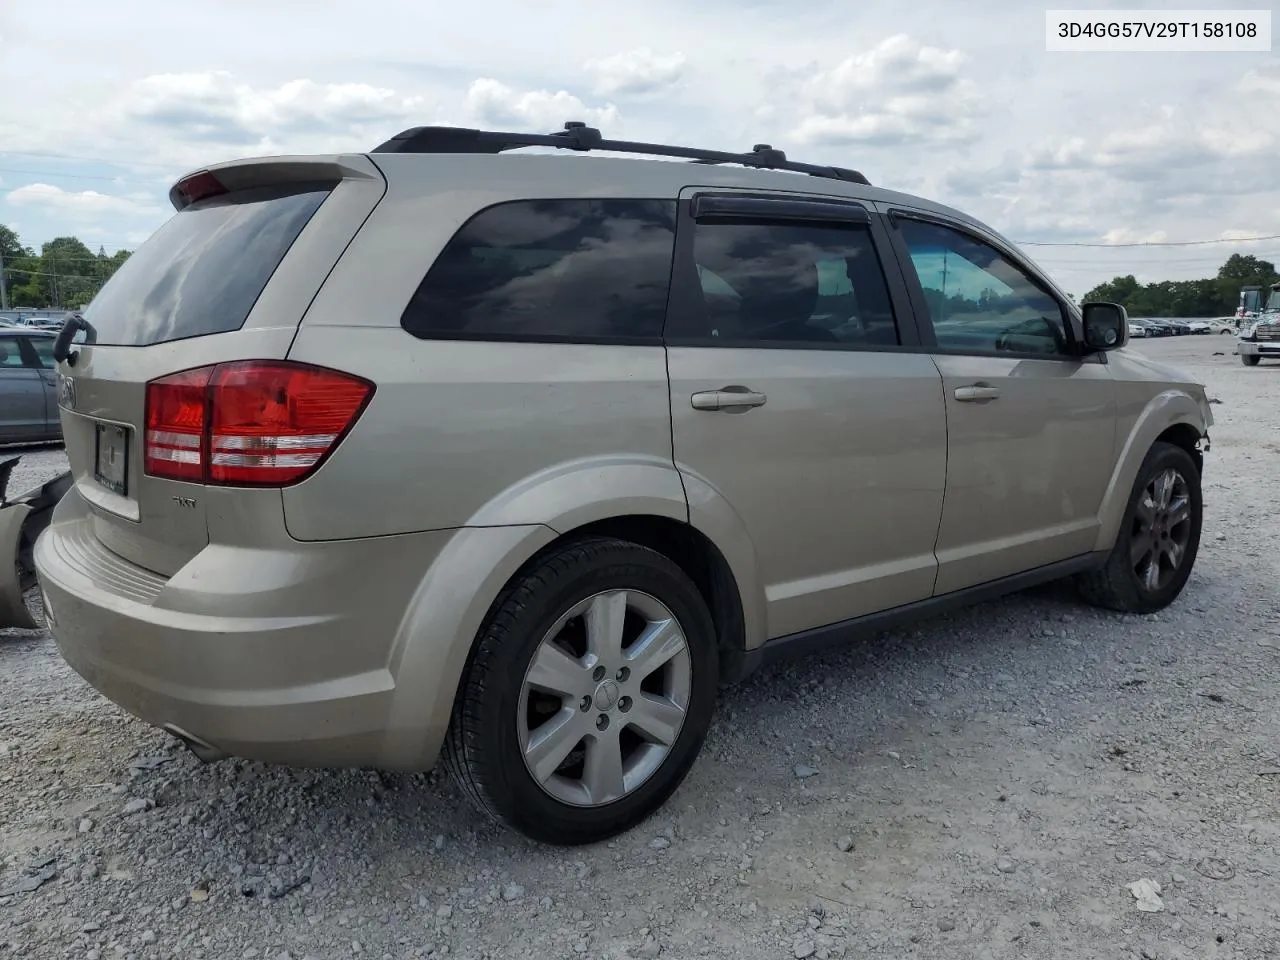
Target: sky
column 103, row 106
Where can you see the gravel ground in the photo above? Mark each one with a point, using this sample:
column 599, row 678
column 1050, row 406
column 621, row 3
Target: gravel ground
column 985, row 785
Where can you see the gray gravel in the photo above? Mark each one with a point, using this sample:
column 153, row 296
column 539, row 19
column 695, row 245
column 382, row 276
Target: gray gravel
column 992, row 784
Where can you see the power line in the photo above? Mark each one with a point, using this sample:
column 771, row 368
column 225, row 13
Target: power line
column 51, row 174
column 1066, row 262
column 1145, row 243
column 74, row 159
column 59, row 258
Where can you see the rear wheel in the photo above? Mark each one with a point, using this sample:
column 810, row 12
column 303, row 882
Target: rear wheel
column 588, row 695
column 1158, row 540
column 1250, row 359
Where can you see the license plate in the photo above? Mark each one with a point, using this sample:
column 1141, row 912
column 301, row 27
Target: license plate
column 111, row 464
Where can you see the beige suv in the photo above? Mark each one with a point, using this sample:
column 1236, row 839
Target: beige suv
column 450, row 448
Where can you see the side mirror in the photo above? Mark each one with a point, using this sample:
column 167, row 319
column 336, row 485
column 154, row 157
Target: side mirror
column 1106, row 326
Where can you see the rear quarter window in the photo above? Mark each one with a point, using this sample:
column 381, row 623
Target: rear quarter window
column 202, row 272
column 580, row 270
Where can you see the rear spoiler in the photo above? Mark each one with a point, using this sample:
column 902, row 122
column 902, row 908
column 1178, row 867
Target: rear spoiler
column 297, row 171
column 22, row 520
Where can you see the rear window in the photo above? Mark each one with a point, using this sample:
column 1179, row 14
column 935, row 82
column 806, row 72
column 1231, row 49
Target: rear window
column 551, row 270
column 203, row 271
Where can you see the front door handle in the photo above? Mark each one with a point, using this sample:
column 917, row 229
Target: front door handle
column 977, row 393
column 734, row 399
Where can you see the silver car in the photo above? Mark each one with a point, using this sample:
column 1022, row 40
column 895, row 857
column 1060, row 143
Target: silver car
column 28, row 398
column 449, row 448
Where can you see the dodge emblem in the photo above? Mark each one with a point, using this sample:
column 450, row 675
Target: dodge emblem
column 66, row 392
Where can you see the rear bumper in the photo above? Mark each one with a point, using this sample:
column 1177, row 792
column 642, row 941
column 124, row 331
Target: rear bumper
column 299, row 654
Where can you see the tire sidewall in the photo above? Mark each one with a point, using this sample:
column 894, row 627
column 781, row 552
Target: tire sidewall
column 1162, row 457
column 514, row 793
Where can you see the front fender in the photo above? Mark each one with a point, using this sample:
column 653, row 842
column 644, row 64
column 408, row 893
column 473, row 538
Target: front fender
column 1168, row 409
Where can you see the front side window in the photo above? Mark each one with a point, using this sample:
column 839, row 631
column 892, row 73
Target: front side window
column 10, row 353
column 980, row 301
column 43, row 347
column 551, row 270
column 774, row 284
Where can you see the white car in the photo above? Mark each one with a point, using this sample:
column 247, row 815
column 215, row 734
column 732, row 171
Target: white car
column 1137, row 330
column 1211, row 326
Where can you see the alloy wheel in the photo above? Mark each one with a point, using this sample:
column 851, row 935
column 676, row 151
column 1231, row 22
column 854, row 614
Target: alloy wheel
column 604, row 698
column 1161, row 529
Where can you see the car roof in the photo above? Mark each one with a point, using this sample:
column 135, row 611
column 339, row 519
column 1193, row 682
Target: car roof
column 647, row 169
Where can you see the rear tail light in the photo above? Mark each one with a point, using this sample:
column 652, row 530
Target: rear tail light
column 252, row 423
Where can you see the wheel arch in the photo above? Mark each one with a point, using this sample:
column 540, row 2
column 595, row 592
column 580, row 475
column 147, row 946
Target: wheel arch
column 644, row 502
column 693, row 552
column 1173, row 416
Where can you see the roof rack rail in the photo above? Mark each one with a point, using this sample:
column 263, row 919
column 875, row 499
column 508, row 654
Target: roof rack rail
column 578, row 136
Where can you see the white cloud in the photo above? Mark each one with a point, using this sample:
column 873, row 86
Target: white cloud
column 493, row 102
column 636, row 72
column 212, row 103
column 901, row 91
column 221, row 111
column 948, row 104
column 78, row 204
column 1127, row 235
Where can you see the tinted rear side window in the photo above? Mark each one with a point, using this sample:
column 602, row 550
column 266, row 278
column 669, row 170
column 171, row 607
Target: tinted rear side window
column 203, row 271
column 559, row 270
column 773, row 284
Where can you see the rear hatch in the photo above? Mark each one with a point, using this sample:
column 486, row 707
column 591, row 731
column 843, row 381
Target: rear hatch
column 227, row 278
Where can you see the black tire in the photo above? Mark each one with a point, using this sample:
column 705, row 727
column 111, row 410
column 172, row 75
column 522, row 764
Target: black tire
column 1250, row 359
column 1117, row 586
column 482, row 749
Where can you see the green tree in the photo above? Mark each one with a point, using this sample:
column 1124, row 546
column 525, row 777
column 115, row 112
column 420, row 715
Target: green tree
column 1209, row 297
column 10, row 247
column 1246, row 269
column 64, row 273
column 71, row 272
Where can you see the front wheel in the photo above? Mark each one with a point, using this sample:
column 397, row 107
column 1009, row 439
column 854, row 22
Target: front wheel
column 1250, row 359
column 588, row 695
column 1158, row 540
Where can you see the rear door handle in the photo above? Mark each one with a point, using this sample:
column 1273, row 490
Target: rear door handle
column 977, row 393
column 734, row 399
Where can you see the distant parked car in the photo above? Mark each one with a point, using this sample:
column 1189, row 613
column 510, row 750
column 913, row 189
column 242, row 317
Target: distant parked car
column 1155, row 328
column 28, row 387
column 1137, row 329
column 1260, row 340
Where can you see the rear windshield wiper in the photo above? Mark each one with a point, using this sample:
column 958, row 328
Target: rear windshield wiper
column 74, row 324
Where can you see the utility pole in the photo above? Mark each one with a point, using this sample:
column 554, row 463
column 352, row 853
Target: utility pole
column 4, row 290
